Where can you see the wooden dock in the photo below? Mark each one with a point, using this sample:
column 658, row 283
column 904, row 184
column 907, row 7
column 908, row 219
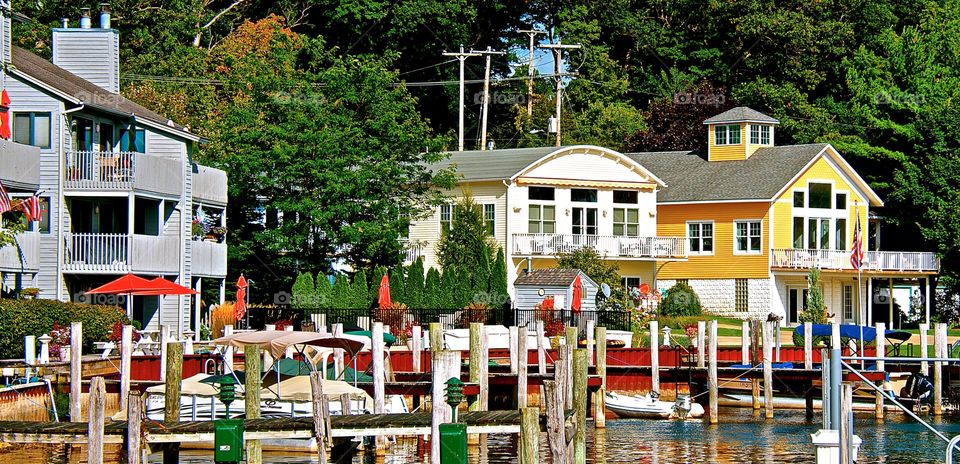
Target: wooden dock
column 367, row 425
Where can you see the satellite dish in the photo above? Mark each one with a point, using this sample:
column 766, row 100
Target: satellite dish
column 605, row 289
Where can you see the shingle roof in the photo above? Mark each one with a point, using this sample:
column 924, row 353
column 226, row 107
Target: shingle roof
column 690, row 177
column 77, row 87
column 548, row 278
column 476, row 165
column 740, row 114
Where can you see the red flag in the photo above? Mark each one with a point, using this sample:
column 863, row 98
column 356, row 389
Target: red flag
column 856, row 255
column 5, row 204
column 31, row 207
column 240, row 309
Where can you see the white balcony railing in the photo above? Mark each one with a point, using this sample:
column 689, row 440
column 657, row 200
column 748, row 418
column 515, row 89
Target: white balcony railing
column 23, row 255
column 604, row 245
column 96, row 170
column 208, row 259
column 84, row 252
column 894, row 261
column 209, row 184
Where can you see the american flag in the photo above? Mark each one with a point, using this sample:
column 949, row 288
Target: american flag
column 856, row 255
column 31, row 207
column 5, row 204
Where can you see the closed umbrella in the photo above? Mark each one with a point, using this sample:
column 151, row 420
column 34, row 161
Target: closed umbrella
column 384, row 296
column 577, row 298
column 240, row 309
column 5, row 115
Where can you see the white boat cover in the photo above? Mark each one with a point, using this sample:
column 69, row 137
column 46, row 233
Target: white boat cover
column 291, row 389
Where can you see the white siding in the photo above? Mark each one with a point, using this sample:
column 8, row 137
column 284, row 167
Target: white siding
column 93, row 54
column 159, row 144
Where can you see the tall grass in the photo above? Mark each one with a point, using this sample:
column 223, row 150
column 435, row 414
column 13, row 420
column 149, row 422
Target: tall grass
column 222, row 316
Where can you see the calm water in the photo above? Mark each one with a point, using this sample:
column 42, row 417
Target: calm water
column 742, row 437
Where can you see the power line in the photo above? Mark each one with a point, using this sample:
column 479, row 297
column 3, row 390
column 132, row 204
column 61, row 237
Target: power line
column 223, row 82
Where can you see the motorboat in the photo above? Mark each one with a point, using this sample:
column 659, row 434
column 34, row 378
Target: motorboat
column 649, row 406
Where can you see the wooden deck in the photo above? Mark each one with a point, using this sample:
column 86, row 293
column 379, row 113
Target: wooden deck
column 202, row 431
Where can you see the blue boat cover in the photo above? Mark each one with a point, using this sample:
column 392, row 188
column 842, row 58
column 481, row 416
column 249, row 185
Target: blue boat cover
column 856, row 332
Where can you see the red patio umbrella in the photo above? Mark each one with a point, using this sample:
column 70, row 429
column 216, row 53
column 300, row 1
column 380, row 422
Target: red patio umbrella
column 240, row 309
column 384, row 297
column 166, row 287
column 577, row 298
column 128, row 284
column 4, row 115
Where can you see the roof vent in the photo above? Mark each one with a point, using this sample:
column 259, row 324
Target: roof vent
column 104, row 16
column 85, row 18
column 64, row 22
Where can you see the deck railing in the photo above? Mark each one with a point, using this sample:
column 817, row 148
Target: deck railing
column 898, row 261
column 100, row 170
column 22, row 255
column 208, row 259
column 604, row 245
column 90, row 252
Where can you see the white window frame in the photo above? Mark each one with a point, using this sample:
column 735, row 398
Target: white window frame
column 748, row 251
column 441, row 220
column 492, row 218
column 541, row 221
column 848, row 307
column 832, row 213
column 713, row 237
column 762, row 134
column 625, row 281
column 626, row 223
column 725, row 129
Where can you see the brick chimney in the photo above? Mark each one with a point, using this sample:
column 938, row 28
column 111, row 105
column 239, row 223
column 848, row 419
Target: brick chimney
column 92, row 53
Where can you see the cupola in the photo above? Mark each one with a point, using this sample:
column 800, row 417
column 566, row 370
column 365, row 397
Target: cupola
column 737, row 133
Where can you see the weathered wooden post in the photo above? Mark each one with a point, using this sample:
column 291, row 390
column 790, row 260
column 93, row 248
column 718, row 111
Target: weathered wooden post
column 599, row 399
column 346, row 406
column 939, row 342
column 319, row 416
column 768, row 370
column 712, row 374
column 76, row 366
column 591, row 328
column 126, row 351
column 654, row 356
column 476, row 334
column 436, row 338
column 846, row 411
column 570, row 338
column 529, row 435
column 417, row 347
column 580, row 405
column 745, row 342
column 522, row 371
column 165, row 338
column 135, row 449
column 755, row 360
column 701, row 343
column 566, row 360
column 881, row 343
column 251, row 394
column 171, row 399
column 553, row 398
column 924, row 350
column 512, row 347
column 379, row 378
column 541, row 359
column 445, row 364
column 95, row 412
column 808, row 345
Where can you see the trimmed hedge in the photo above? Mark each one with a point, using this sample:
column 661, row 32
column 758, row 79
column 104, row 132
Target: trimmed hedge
column 19, row 318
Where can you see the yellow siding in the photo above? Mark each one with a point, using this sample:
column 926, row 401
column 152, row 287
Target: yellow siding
column 727, row 152
column 821, row 170
column 723, row 263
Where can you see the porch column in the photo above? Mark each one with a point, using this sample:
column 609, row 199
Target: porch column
column 196, row 307
column 890, row 300
column 926, row 298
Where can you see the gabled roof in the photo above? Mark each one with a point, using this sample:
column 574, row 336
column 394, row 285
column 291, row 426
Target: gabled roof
column 553, row 278
column 691, row 178
column 740, row 114
column 77, row 90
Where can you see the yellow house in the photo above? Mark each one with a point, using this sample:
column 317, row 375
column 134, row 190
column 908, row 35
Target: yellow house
column 757, row 217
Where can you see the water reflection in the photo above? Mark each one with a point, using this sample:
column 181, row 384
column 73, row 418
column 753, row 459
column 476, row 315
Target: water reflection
column 741, row 437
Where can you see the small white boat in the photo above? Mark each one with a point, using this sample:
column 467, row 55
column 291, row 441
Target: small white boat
column 649, row 406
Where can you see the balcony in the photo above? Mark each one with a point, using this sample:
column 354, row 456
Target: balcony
column 28, row 250
column 120, row 253
column 208, row 259
column 885, row 261
column 209, row 185
column 95, row 170
column 607, row 246
column 19, row 165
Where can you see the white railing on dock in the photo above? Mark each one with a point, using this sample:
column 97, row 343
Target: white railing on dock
column 605, row 245
column 900, row 261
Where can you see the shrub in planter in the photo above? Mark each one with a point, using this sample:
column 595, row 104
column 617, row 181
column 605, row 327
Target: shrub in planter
column 19, row 318
column 681, row 300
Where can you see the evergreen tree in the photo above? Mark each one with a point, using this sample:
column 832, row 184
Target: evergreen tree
column 447, row 286
column 324, row 291
column 415, row 284
column 481, row 283
column 360, row 290
column 432, row 290
column 466, row 243
column 498, row 280
column 462, row 291
column 341, row 293
column 303, row 293
column 398, row 292
column 816, row 310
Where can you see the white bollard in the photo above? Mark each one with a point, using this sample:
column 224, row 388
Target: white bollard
column 30, row 350
column 45, row 348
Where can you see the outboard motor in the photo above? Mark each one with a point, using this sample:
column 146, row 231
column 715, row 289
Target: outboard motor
column 918, row 388
column 682, row 406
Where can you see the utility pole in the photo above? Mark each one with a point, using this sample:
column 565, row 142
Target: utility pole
column 557, row 49
column 462, row 56
column 532, row 33
column 486, row 95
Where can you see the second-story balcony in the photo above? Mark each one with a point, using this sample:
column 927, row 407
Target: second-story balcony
column 23, row 255
column 208, row 259
column 209, row 185
column 19, row 165
column 96, row 170
column 880, row 261
column 608, row 246
column 120, row 253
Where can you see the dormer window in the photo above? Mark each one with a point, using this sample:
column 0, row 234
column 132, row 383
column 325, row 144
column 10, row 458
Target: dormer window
column 759, row 134
column 726, row 134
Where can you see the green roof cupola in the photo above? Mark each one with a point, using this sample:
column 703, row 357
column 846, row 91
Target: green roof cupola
column 737, row 133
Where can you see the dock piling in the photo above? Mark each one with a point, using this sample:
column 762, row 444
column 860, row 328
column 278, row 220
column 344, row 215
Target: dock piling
column 512, row 347
column 135, row 449
column 522, row 371
column 126, row 351
column 755, row 360
column 881, row 353
column 654, row 356
column 591, row 328
column 379, row 377
column 599, row 399
column 808, row 345
column 745, row 342
column 940, row 344
column 251, row 394
column 436, row 338
column 846, row 420
column 767, row 370
column 171, row 400
column 529, row 435
column 580, row 405
column 445, row 364
column 541, row 357
column 319, row 415
column 76, row 366
column 701, row 343
column 556, row 438
column 338, row 365
column 95, row 412
column 712, row 374
column 924, row 366
column 417, row 348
